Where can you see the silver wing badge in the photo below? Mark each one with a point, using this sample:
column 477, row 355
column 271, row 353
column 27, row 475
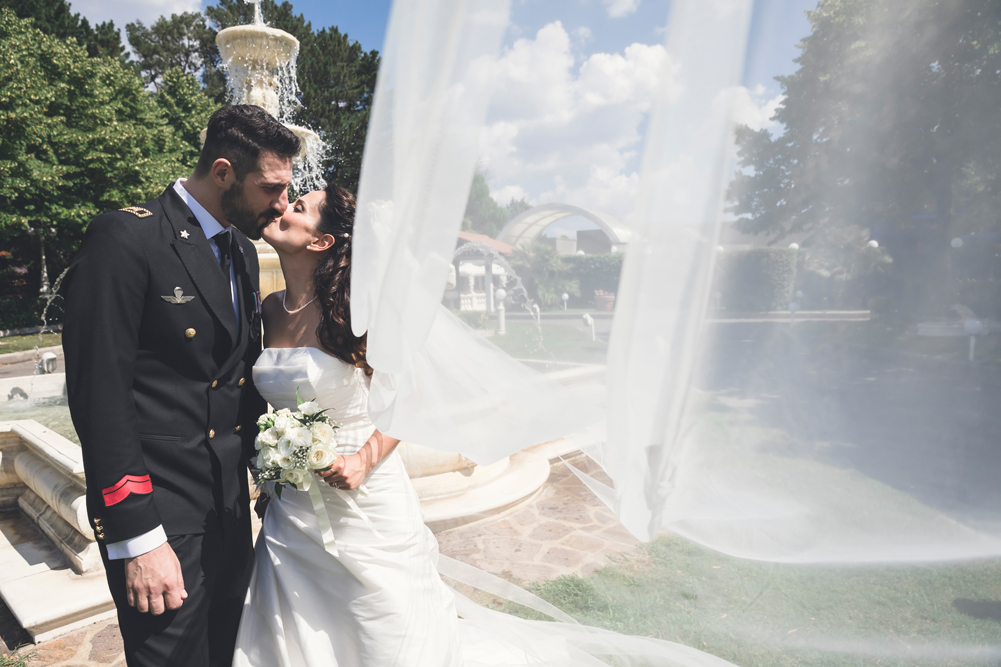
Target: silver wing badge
column 178, row 297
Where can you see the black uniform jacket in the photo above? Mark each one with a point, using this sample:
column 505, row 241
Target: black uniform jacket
column 158, row 371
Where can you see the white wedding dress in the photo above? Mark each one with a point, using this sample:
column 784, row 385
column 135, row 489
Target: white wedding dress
column 380, row 601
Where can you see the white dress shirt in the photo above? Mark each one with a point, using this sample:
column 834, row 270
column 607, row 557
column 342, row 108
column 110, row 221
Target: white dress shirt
column 154, row 538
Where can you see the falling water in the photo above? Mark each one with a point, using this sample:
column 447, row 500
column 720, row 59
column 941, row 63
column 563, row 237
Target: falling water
column 53, row 295
column 260, row 66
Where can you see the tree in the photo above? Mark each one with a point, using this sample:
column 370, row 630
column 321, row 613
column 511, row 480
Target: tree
column 544, row 274
column 186, row 109
column 336, row 79
column 182, row 42
column 54, row 17
column 890, row 122
column 78, row 136
column 483, row 214
column 516, row 207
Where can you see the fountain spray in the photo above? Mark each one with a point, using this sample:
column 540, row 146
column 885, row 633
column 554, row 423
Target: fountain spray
column 260, row 66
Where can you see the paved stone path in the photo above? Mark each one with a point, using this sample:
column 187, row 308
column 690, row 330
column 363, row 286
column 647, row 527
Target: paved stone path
column 563, row 530
column 27, row 368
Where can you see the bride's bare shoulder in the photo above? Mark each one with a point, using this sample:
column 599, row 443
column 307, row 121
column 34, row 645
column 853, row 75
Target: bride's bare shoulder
column 272, row 303
column 270, row 308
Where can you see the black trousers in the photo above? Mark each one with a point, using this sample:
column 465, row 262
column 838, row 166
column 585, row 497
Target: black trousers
column 202, row 633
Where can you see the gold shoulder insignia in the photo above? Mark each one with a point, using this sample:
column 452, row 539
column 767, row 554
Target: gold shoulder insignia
column 137, row 211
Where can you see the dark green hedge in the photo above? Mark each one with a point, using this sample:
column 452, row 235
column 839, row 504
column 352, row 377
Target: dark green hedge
column 595, row 272
column 756, row 280
column 17, row 312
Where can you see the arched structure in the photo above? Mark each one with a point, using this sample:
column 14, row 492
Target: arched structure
column 526, row 227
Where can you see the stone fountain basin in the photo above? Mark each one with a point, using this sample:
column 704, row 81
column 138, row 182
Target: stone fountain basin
column 257, row 44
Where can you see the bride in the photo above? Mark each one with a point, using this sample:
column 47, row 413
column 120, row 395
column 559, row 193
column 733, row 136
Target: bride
column 376, row 598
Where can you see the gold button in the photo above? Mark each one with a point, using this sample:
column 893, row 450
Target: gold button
column 215, row 383
column 211, row 433
column 190, row 333
column 100, row 536
column 237, row 429
column 240, row 383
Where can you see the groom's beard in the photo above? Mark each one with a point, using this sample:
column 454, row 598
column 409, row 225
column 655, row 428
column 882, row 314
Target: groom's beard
column 240, row 215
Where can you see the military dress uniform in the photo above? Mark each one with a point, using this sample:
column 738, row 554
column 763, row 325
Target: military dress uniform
column 159, row 345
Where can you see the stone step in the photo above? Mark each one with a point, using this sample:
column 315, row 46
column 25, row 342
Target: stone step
column 521, row 479
column 45, row 595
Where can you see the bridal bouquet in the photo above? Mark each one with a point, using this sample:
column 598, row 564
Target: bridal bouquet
column 293, row 445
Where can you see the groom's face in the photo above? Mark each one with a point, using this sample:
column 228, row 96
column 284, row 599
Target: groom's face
column 260, row 198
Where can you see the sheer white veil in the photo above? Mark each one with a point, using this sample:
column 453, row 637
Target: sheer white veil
column 778, row 465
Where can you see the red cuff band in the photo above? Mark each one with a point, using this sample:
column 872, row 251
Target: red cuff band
column 126, row 485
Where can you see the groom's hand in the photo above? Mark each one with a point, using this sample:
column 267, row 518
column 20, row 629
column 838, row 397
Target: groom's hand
column 153, row 581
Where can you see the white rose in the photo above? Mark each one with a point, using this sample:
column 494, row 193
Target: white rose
column 309, row 408
column 284, row 460
column 285, row 446
column 267, row 458
column 266, row 438
column 297, row 476
column 299, row 436
column 283, row 422
column 322, row 455
column 322, row 433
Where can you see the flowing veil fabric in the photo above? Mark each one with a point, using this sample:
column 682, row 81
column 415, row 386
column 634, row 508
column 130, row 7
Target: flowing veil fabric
column 673, row 463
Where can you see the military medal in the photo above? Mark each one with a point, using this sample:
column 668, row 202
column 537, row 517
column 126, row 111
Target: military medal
column 178, row 297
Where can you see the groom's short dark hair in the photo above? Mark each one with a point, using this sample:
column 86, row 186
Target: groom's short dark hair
column 240, row 133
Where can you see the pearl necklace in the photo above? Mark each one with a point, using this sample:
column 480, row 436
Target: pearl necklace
column 293, row 312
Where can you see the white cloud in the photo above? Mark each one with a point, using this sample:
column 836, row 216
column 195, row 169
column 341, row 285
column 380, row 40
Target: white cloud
column 749, row 107
column 507, row 194
column 127, row 11
column 566, row 130
column 619, row 8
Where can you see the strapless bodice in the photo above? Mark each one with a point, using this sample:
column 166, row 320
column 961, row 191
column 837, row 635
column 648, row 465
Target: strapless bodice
column 340, row 387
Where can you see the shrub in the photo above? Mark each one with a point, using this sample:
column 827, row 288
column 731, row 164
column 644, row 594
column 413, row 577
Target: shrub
column 594, row 273
column 544, row 274
column 477, row 319
column 758, row 279
column 23, row 311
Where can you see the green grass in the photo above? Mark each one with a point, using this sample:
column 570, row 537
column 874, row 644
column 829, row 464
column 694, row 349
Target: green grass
column 21, row 343
column 17, row 659
column 903, row 337
column 558, row 342
column 760, row 614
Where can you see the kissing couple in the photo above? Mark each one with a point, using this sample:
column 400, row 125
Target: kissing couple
column 168, row 371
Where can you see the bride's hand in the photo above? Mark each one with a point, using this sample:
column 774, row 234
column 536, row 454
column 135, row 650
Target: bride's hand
column 348, row 472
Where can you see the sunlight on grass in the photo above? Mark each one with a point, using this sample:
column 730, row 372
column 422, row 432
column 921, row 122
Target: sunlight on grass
column 558, row 342
column 22, row 343
column 761, row 614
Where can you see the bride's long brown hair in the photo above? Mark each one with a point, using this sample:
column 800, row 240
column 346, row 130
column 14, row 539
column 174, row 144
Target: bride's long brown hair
column 332, row 280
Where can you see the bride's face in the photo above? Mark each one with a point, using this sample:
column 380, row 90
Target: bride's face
column 296, row 231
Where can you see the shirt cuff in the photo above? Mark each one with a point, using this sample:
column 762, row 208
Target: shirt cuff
column 137, row 546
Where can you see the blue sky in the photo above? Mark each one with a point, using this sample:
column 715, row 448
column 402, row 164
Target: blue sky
column 777, row 25
column 576, row 80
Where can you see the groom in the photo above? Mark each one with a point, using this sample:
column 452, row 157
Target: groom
column 161, row 331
